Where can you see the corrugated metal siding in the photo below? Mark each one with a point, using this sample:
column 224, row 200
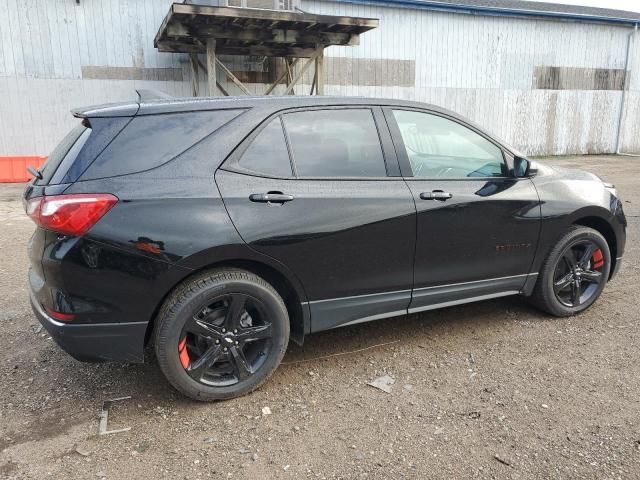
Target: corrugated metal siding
column 44, row 44
column 482, row 67
column 630, row 140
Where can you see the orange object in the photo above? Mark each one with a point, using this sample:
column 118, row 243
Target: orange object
column 598, row 259
column 14, row 169
column 184, row 355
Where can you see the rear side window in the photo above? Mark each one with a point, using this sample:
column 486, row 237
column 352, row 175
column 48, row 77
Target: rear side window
column 267, row 153
column 75, row 139
column 150, row 141
column 335, row 143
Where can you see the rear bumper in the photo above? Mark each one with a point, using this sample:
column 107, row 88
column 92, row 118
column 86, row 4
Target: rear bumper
column 96, row 342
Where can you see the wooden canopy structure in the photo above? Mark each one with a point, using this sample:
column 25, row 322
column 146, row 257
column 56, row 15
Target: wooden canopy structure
column 214, row 31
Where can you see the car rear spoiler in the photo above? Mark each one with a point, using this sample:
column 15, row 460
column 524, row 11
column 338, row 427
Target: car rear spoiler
column 122, row 109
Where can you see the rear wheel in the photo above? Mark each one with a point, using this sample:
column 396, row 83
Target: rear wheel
column 221, row 334
column 574, row 274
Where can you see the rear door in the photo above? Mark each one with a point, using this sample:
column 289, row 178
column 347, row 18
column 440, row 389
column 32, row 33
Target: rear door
column 477, row 225
column 320, row 191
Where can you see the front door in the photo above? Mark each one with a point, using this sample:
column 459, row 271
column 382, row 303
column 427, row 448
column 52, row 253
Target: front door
column 477, row 226
column 315, row 190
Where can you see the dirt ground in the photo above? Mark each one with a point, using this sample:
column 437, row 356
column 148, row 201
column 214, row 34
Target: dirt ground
column 489, row 390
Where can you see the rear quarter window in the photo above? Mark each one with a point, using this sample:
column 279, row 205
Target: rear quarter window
column 62, row 151
column 268, row 152
column 150, row 141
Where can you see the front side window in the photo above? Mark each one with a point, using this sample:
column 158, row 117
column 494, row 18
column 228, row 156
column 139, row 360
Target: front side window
column 268, row 153
column 335, row 143
column 441, row 148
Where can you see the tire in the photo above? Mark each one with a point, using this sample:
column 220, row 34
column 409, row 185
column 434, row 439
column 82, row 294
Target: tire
column 190, row 333
column 547, row 294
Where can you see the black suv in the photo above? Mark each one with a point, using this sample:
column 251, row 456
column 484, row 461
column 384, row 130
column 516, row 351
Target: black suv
column 217, row 229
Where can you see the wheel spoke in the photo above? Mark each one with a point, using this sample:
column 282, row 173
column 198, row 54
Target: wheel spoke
column 250, row 334
column 563, row 283
column 241, row 366
column 234, row 311
column 569, row 259
column 202, row 328
column 197, row 368
column 592, row 276
column 587, row 254
column 575, row 293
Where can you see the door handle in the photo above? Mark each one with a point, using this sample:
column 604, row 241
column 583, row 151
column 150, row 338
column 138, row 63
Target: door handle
column 436, row 195
column 271, row 197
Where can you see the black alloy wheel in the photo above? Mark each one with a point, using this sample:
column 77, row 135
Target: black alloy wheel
column 574, row 273
column 221, row 334
column 578, row 273
column 226, row 341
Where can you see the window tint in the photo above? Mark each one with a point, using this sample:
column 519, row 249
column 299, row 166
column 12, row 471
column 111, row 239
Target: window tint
column 438, row 147
column 268, row 152
column 335, row 143
column 62, row 150
column 150, row 141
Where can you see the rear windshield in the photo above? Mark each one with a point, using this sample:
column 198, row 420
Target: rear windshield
column 68, row 148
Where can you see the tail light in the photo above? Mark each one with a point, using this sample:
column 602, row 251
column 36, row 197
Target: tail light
column 63, row 317
column 72, row 214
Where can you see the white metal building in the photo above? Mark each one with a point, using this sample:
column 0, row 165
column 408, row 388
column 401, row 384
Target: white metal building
column 549, row 79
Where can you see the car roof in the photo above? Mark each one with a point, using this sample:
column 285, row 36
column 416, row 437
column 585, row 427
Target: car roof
column 189, row 104
column 270, row 104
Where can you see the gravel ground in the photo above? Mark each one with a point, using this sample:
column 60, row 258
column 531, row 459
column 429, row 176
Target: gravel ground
column 494, row 389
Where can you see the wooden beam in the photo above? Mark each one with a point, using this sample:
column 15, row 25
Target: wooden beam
column 286, row 72
column 232, row 77
column 319, row 75
column 314, row 82
column 221, row 88
column 290, row 67
column 194, row 74
column 204, row 69
column 173, row 46
column 211, row 66
column 266, row 51
column 185, row 9
column 276, row 35
column 304, row 68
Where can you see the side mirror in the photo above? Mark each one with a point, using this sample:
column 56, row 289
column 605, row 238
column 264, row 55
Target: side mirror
column 523, row 167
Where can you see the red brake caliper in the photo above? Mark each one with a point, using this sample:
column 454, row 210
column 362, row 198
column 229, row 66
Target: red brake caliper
column 597, row 259
column 184, row 355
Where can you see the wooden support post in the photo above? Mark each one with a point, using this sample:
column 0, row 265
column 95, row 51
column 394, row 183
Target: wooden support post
column 314, row 82
column 232, row 77
column 319, row 74
column 304, row 68
column 211, row 66
column 286, row 72
column 194, row 74
column 290, row 73
column 220, row 87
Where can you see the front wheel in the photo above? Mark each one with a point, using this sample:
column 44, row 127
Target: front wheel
column 221, row 334
column 574, row 274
